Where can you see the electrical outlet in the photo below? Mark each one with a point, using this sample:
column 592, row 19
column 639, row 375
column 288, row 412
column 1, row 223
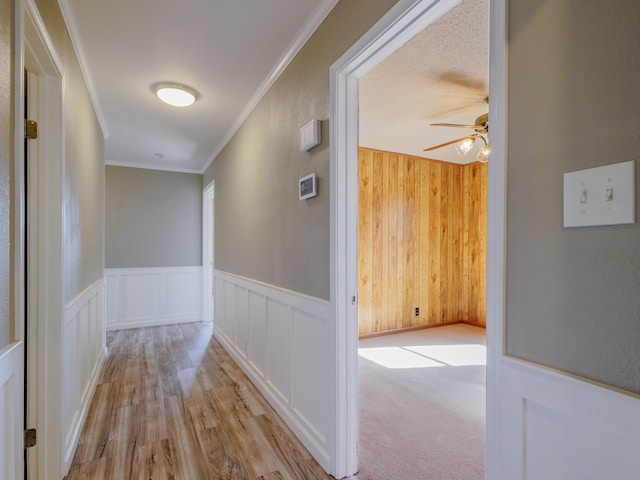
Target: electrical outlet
column 417, row 311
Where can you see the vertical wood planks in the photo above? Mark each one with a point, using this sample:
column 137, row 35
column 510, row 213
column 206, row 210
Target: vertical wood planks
column 365, row 240
column 422, row 241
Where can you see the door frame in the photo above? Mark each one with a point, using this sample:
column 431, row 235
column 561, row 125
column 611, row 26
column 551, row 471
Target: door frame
column 208, row 236
column 44, row 245
column 400, row 24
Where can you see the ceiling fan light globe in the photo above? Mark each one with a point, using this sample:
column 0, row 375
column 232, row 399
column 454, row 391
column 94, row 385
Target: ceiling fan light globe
column 465, row 146
column 483, row 154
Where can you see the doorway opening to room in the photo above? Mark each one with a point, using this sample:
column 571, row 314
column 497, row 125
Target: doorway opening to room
column 422, row 219
column 208, row 252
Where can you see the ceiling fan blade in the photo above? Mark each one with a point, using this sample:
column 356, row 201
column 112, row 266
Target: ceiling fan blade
column 446, row 144
column 457, row 125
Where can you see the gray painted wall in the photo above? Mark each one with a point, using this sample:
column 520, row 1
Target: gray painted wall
column 153, row 219
column 262, row 230
column 573, row 295
column 84, row 170
column 6, row 143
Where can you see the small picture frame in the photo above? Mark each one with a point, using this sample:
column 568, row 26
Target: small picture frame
column 308, row 186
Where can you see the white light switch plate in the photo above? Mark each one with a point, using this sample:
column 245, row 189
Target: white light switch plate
column 600, row 196
column 310, row 135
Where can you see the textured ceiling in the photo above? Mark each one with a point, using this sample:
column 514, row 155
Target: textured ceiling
column 441, row 75
column 229, row 50
column 232, row 51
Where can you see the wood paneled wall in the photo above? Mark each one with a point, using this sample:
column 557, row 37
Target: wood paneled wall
column 421, row 242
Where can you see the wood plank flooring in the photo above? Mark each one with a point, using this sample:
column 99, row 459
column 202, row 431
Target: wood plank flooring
column 172, row 404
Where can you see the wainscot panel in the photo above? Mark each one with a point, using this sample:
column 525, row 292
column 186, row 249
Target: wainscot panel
column 84, row 351
column 278, row 337
column 144, row 297
column 557, row 427
column 11, row 384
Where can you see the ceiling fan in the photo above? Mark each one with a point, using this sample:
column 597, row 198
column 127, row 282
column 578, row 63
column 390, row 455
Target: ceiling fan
column 465, row 144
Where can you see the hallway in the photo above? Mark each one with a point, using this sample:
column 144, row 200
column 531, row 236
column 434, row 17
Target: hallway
column 171, row 403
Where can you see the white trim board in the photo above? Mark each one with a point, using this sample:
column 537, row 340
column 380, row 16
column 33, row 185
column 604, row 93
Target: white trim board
column 44, row 295
column 145, row 297
column 496, row 236
column 279, row 337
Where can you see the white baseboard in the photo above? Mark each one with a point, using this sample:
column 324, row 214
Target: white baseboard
column 281, row 339
column 556, row 427
column 145, row 297
column 84, row 352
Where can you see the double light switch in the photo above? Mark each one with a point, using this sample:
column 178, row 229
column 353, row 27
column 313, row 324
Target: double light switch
column 600, row 196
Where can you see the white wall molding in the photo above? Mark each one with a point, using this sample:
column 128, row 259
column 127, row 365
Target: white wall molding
column 78, row 48
column 557, row 427
column 312, row 24
column 279, row 338
column 84, row 353
column 11, row 405
column 145, row 297
column 496, row 234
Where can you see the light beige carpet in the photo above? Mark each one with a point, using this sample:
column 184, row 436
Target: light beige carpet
column 422, row 405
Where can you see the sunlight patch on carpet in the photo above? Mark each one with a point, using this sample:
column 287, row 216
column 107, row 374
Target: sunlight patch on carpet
column 454, row 355
column 397, row 357
column 426, row 356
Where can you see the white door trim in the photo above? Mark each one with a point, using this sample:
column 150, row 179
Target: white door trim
column 45, row 249
column 207, row 255
column 496, row 237
column 400, row 24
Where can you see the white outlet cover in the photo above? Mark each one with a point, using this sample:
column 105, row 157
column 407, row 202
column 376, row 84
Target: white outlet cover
column 600, row 196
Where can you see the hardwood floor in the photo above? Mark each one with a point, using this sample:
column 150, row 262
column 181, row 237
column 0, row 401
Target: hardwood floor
column 171, row 404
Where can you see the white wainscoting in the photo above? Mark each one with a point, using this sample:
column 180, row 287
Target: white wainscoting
column 280, row 339
column 11, row 408
column 144, row 297
column 83, row 353
column 556, row 427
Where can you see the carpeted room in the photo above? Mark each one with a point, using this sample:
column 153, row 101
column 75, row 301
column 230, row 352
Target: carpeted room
column 421, row 312
column 422, row 255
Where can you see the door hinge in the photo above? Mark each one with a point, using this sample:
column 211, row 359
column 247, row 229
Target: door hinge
column 30, row 438
column 354, row 299
column 30, row 129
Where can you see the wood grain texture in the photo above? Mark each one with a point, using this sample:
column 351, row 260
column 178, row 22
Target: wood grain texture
column 422, row 242
column 172, row 404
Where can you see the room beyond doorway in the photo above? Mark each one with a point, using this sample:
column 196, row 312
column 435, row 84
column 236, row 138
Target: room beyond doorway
column 401, row 24
column 422, row 404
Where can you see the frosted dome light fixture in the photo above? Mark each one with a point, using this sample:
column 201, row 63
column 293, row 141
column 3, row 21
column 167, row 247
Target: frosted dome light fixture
column 175, row 94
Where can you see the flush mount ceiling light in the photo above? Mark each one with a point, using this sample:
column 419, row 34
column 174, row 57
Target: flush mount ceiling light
column 175, row 94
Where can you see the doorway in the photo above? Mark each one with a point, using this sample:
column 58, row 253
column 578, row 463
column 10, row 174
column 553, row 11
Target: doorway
column 208, row 252
column 401, row 24
column 422, row 253
column 42, row 226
